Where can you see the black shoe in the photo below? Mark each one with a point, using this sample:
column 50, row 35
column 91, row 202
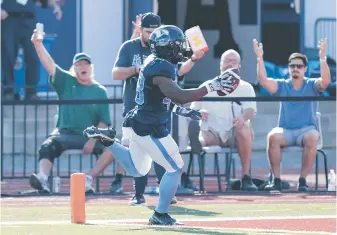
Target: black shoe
column 162, row 219
column 137, row 201
column 276, row 185
column 38, row 183
column 186, row 182
column 247, row 184
column 104, row 136
column 302, row 185
column 116, row 187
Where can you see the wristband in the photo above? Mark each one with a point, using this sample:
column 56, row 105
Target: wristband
column 175, row 107
column 209, row 87
column 322, row 60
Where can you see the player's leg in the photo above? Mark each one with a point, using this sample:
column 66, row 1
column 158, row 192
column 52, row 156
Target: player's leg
column 117, row 185
column 166, row 153
column 119, row 152
column 160, row 171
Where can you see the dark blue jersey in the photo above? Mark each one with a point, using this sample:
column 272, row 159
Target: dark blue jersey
column 152, row 114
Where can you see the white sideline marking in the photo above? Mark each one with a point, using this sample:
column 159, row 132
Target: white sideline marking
column 56, row 222
column 234, row 229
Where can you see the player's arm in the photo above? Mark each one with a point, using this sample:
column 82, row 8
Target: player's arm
column 171, row 90
column 185, row 112
column 227, row 82
column 268, row 83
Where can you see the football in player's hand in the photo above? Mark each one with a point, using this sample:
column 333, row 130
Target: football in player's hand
column 230, row 80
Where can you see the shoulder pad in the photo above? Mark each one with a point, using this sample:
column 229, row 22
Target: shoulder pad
column 160, row 67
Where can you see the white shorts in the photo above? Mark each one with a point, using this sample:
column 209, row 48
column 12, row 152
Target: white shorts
column 164, row 151
column 127, row 134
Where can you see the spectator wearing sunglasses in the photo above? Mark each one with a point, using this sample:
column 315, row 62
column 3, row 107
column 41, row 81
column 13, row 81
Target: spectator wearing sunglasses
column 297, row 120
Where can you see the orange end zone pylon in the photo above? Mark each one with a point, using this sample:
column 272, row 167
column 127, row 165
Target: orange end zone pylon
column 77, row 198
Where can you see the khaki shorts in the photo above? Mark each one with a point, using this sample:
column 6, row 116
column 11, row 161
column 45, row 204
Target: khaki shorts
column 294, row 137
column 212, row 137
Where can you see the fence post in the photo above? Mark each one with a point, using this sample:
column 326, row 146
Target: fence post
column 175, row 128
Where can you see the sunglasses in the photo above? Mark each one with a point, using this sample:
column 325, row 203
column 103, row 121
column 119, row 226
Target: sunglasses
column 299, row 66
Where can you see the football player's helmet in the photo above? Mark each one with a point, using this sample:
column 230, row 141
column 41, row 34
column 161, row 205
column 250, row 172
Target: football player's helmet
column 169, row 42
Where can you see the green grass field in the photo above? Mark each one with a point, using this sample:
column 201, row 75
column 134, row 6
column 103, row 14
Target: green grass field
column 14, row 217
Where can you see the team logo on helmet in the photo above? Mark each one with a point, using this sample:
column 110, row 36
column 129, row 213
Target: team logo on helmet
column 162, row 37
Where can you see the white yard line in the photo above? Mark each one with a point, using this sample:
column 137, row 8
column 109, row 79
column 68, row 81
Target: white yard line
column 55, row 222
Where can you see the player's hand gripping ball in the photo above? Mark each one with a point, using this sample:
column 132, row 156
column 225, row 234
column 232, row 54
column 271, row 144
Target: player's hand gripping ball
column 230, row 80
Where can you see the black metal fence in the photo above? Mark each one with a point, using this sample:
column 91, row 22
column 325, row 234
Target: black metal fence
column 25, row 124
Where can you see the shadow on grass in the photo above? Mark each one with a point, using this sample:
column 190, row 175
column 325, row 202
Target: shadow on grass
column 176, row 229
column 179, row 230
column 177, row 210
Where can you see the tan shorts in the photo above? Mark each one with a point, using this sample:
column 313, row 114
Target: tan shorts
column 212, row 137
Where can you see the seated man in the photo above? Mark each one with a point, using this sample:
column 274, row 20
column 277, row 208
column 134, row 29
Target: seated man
column 72, row 119
column 297, row 122
column 218, row 118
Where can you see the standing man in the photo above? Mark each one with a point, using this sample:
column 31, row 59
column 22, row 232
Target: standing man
column 18, row 20
column 129, row 62
column 297, row 122
column 150, row 138
column 221, row 119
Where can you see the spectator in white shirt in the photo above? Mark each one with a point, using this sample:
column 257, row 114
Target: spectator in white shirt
column 218, row 119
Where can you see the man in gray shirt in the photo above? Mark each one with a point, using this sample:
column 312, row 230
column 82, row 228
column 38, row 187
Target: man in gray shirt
column 129, row 62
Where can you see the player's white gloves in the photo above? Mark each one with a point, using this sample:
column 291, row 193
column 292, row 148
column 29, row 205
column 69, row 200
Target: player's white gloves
column 186, row 112
column 226, row 82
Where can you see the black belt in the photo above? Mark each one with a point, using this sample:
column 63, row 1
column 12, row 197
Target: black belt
column 21, row 14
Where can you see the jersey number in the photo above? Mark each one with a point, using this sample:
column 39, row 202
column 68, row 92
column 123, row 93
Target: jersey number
column 140, row 87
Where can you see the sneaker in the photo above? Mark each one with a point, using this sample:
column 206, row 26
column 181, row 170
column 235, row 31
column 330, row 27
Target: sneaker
column 88, row 185
column 40, row 183
column 302, row 185
column 247, row 184
column 275, row 185
column 174, row 200
column 116, row 187
column 104, row 136
column 137, row 201
column 162, row 219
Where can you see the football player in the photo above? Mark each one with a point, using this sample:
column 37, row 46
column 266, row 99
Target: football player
column 157, row 94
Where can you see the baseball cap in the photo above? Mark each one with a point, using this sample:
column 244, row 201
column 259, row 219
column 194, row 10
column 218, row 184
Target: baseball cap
column 150, row 20
column 81, row 56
